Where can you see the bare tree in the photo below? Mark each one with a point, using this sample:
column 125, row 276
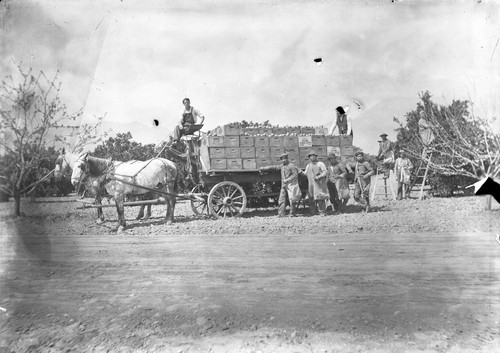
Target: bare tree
column 32, row 117
column 463, row 143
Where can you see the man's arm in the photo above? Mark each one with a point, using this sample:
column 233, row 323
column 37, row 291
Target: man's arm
column 197, row 114
column 370, row 171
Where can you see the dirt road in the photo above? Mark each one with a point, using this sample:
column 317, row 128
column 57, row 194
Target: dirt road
column 218, row 292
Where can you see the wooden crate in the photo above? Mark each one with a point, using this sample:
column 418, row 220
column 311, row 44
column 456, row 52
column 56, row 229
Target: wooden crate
column 318, row 140
column 218, row 164
column 217, row 152
column 215, row 141
column 262, row 152
column 276, row 151
column 305, row 141
column 279, row 130
column 333, row 149
column 266, row 131
column 247, row 152
column 292, row 150
column 249, row 163
column 231, row 141
column 290, row 141
column 228, row 130
column 263, row 162
column 345, row 140
column 307, row 130
column 320, row 150
column 261, row 141
column 320, row 130
column 252, row 131
column 234, row 163
column 247, row 141
column 276, row 141
column 293, row 130
column 347, row 151
column 233, row 152
column 332, row 140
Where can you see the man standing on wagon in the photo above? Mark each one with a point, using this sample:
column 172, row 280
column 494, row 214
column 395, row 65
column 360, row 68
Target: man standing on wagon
column 189, row 117
column 289, row 185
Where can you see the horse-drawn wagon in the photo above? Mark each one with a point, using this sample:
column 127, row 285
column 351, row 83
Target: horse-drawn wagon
column 224, row 165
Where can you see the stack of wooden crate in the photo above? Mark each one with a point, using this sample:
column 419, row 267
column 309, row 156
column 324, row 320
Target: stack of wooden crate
column 231, row 147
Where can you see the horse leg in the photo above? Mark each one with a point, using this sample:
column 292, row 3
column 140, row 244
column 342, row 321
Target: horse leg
column 170, row 206
column 141, row 213
column 100, row 214
column 148, row 213
column 119, row 199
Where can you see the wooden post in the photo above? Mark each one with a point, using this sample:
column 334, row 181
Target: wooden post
column 487, row 206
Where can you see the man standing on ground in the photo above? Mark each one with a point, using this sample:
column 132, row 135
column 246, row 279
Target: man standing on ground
column 189, row 117
column 316, row 173
column 289, row 185
column 362, row 180
column 402, row 170
column 386, row 154
column 337, row 183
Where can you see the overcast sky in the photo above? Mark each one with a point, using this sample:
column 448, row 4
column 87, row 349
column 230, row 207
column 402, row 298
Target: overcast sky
column 253, row 60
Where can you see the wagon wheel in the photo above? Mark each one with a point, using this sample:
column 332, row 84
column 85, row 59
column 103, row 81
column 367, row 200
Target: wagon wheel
column 227, row 199
column 199, row 207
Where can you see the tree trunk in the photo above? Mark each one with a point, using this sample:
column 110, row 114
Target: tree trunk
column 17, row 202
column 487, row 206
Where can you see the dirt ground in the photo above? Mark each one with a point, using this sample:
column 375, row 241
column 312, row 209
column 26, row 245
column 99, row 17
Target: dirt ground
column 411, row 276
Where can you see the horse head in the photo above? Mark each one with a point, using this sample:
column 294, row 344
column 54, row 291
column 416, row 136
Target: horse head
column 79, row 169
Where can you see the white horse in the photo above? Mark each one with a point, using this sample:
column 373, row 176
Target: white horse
column 66, row 163
column 129, row 178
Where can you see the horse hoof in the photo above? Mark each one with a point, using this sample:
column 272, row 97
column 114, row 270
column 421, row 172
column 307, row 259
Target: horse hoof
column 120, row 230
column 169, row 223
column 99, row 221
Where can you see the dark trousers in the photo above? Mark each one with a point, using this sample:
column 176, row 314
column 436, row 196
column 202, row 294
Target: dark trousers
column 334, row 195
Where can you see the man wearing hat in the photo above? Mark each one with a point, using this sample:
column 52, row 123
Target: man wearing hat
column 337, row 183
column 317, row 173
column 289, row 185
column 362, row 180
column 343, row 125
column 402, row 170
column 386, row 154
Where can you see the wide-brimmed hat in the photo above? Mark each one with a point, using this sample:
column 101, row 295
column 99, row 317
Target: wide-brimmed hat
column 312, row 152
column 283, row 155
column 359, row 152
column 384, row 134
column 331, row 155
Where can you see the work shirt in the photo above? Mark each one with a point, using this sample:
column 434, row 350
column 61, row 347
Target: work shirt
column 190, row 116
column 289, row 174
column 317, row 188
column 361, row 169
column 402, row 169
column 386, row 148
column 334, row 171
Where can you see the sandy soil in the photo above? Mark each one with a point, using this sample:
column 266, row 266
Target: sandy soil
column 412, row 276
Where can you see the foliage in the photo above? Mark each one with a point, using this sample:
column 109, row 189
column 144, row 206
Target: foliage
column 32, row 117
column 465, row 144
column 123, row 148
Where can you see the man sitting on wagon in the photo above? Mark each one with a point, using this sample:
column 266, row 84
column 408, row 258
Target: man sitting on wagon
column 189, row 117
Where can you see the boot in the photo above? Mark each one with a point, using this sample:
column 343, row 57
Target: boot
column 292, row 210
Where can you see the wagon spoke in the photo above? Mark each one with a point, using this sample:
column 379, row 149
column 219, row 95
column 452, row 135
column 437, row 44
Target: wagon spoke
column 219, row 194
column 234, row 192
column 238, row 197
column 230, row 210
column 220, row 208
column 239, row 207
